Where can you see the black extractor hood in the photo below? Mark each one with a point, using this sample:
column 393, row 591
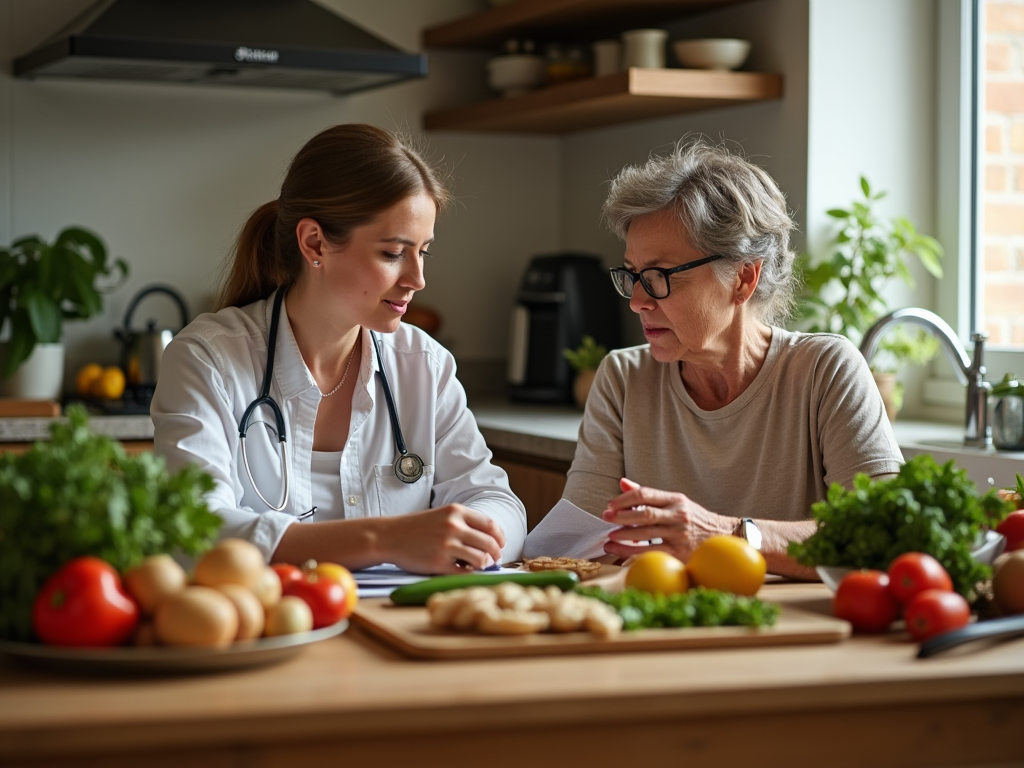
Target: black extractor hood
column 259, row 43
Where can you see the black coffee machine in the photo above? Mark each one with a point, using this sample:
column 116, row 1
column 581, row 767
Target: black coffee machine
column 562, row 298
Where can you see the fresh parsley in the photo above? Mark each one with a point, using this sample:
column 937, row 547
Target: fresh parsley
column 698, row 607
column 81, row 494
column 927, row 507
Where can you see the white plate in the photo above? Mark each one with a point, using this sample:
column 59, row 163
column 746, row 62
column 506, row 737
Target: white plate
column 988, row 548
column 167, row 659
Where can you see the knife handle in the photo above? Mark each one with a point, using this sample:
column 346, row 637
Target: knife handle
column 996, row 629
column 417, row 594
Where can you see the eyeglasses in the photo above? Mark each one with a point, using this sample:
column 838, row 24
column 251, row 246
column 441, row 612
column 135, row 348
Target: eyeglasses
column 653, row 279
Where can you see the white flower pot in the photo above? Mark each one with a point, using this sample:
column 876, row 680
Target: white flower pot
column 41, row 377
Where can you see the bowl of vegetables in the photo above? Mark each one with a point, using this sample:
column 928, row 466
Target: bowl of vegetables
column 988, row 547
column 927, row 507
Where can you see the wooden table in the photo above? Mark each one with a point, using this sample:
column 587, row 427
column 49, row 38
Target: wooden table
column 350, row 701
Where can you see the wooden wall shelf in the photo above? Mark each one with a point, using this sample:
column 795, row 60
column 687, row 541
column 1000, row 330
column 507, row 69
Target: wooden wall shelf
column 636, row 94
column 569, row 19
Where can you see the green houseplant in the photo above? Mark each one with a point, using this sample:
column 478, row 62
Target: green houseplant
column 43, row 284
column 842, row 293
column 584, row 360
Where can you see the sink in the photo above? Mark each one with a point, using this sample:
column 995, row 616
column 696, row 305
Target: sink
column 984, row 468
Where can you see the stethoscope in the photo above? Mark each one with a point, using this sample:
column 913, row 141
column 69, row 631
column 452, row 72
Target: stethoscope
column 408, row 466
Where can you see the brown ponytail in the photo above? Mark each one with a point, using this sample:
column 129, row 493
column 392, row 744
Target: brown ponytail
column 343, row 178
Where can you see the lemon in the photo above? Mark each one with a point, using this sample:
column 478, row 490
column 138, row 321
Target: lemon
column 86, row 376
column 109, row 385
column 727, row 563
column 658, row 573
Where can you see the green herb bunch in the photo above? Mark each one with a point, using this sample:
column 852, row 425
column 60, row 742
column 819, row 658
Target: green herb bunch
column 927, row 507
column 698, row 607
column 587, row 356
column 80, row 494
column 43, row 284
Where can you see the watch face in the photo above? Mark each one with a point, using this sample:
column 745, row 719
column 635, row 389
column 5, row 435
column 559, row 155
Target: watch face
column 750, row 532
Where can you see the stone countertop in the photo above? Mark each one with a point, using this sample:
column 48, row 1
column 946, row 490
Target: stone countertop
column 27, row 430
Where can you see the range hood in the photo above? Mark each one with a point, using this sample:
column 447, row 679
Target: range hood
column 259, row 43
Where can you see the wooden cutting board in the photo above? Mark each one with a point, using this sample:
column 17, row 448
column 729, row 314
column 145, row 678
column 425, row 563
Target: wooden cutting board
column 408, row 630
column 19, row 407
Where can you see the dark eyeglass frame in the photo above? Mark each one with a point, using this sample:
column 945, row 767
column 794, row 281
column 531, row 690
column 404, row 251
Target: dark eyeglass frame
column 665, row 272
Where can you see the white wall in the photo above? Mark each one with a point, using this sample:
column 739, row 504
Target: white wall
column 167, row 174
column 872, row 111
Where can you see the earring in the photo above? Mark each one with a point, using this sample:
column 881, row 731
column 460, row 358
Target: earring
column 316, row 262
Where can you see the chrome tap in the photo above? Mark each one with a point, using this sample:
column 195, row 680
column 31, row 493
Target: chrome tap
column 977, row 432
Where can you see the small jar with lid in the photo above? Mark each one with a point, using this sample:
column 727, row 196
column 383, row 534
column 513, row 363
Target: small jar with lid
column 1006, row 414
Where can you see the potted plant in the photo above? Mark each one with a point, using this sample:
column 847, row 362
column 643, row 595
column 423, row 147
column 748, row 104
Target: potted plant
column 843, row 292
column 42, row 285
column 584, row 360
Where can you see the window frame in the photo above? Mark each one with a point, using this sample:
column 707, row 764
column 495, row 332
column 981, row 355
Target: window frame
column 958, row 202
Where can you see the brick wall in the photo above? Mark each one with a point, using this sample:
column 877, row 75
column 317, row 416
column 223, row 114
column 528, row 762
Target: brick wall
column 1003, row 188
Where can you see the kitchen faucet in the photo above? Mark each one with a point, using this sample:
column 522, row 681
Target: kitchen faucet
column 978, row 433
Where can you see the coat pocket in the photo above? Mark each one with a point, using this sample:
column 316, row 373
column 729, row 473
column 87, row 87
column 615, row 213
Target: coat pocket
column 397, row 498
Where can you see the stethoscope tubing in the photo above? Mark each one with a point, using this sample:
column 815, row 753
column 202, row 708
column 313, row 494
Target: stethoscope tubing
column 408, row 466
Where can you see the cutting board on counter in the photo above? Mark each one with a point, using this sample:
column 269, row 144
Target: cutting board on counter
column 21, row 408
column 408, row 629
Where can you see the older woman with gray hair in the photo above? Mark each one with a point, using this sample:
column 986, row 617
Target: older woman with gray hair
column 723, row 422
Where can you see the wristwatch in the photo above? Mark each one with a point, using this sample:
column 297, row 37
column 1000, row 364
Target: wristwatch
column 748, row 531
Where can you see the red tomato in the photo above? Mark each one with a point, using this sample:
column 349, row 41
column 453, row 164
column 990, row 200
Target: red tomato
column 287, row 572
column 914, row 572
column 83, row 604
column 935, row 611
column 325, row 597
column 1012, row 528
column 864, row 600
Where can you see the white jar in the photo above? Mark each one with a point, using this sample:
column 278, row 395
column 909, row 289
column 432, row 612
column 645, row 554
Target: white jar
column 644, row 48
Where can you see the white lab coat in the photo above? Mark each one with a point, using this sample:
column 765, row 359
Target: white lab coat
column 214, row 368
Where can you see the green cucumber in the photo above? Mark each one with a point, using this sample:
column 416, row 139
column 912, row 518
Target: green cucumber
column 417, row 594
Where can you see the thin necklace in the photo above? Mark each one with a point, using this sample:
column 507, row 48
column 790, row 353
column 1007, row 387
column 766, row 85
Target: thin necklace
column 347, row 366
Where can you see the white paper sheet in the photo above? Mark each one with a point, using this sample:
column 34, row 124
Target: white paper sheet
column 568, row 531
column 381, row 580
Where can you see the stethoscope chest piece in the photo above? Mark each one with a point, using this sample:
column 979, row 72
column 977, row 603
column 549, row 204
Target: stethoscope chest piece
column 409, row 467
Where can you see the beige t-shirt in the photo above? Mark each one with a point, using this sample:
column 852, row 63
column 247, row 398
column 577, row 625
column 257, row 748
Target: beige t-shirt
column 812, row 416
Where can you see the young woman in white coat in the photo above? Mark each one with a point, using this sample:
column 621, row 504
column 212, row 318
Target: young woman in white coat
column 320, row 280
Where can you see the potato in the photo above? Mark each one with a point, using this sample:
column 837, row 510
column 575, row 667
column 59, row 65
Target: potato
column 231, row 561
column 154, row 579
column 290, row 616
column 268, row 590
column 249, row 608
column 1008, row 582
column 197, row 616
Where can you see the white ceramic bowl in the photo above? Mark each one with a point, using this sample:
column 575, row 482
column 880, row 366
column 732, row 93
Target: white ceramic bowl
column 516, row 73
column 712, row 53
column 986, row 550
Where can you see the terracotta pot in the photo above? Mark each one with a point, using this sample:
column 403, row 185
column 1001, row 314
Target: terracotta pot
column 581, row 387
column 886, row 383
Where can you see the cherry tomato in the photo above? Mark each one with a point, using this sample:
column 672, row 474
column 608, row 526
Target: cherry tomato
column 344, row 577
column 84, row 605
column 325, row 597
column 914, row 572
column 935, row 611
column 287, row 572
column 863, row 599
column 1012, row 528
